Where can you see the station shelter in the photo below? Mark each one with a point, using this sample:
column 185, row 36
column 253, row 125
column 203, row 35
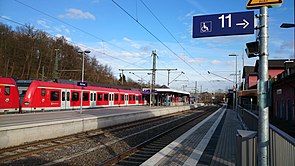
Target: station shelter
column 165, row 96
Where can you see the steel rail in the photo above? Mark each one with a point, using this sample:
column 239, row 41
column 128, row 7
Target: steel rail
column 132, row 150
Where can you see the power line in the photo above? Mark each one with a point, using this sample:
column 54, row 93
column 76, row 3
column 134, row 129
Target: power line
column 59, row 20
column 170, row 32
column 12, row 21
column 136, row 20
column 93, row 50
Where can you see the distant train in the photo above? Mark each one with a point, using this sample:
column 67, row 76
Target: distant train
column 27, row 96
column 9, row 98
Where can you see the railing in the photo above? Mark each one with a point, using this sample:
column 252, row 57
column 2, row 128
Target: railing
column 281, row 145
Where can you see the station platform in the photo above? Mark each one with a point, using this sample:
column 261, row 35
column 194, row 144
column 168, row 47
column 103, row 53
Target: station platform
column 211, row 142
column 17, row 129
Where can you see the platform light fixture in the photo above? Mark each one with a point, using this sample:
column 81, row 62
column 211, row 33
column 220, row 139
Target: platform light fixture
column 289, row 25
column 83, row 53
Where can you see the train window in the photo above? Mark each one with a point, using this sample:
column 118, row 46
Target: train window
column 130, row 97
column 94, row 97
column 116, row 97
column 126, row 97
column 137, row 98
column 99, row 97
column 122, row 97
column 75, row 96
column 91, row 96
column 85, row 96
column 7, row 90
column 43, row 92
column 63, row 97
column 105, row 97
column 68, row 96
column 54, row 95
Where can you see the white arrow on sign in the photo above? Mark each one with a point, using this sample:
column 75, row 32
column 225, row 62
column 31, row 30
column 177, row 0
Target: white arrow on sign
column 245, row 23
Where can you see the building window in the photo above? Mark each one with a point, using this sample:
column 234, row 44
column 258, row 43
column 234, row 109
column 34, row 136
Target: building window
column 54, row 95
column 282, row 110
column 278, row 110
column 7, row 90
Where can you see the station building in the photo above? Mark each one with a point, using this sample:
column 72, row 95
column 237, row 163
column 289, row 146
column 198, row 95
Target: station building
column 282, row 89
column 164, row 96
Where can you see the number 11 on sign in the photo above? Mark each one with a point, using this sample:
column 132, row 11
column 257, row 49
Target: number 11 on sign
column 222, row 18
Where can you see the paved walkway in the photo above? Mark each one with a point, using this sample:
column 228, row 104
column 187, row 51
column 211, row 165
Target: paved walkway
column 211, row 142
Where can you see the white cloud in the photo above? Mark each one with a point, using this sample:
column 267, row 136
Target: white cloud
column 6, row 17
column 43, row 23
column 132, row 43
column 192, row 60
column 216, row 62
column 67, row 38
column 77, row 14
column 197, row 5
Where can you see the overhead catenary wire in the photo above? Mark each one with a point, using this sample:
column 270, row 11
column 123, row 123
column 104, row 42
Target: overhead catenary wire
column 137, row 21
column 79, row 29
column 160, row 22
column 93, row 50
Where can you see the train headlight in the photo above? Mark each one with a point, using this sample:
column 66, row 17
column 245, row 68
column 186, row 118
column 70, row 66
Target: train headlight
column 26, row 103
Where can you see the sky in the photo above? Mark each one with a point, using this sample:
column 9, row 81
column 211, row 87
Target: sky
column 123, row 34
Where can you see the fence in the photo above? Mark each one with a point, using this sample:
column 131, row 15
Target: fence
column 281, row 145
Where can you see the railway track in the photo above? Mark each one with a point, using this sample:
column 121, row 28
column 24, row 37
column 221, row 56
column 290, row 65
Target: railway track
column 93, row 147
column 140, row 153
column 13, row 153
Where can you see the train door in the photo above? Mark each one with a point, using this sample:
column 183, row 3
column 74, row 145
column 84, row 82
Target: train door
column 65, row 99
column 126, row 99
column 111, row 99
column 136, row 99
column 92, row 99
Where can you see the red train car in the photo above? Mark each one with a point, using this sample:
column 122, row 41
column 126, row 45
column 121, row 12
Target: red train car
column 9, row 100
column 55, row 96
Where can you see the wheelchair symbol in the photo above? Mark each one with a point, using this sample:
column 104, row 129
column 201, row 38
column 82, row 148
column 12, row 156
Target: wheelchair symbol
column 205, row 26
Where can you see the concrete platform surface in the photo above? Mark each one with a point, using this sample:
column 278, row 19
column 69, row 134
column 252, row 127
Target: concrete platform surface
column 20, row 128
column 211, row 142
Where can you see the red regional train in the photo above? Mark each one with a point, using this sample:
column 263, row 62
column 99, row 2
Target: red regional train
column 35, row 95
column 9, row 98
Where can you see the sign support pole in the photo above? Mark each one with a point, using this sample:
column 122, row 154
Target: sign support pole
column 263, row 122
column 154, row 55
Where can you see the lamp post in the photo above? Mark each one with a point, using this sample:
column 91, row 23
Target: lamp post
column 82, row 79
column 251, row 100
column 236, row 94
column 288, row 25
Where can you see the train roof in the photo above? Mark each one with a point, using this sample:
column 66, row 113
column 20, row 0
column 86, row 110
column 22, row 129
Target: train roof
column 5, row 80
column 37, row 83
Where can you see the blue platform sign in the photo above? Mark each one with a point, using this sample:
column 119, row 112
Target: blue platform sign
column 224, row 24
column 84, row 84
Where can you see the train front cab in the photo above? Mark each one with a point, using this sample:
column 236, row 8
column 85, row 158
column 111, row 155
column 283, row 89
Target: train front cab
column 9, row 98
